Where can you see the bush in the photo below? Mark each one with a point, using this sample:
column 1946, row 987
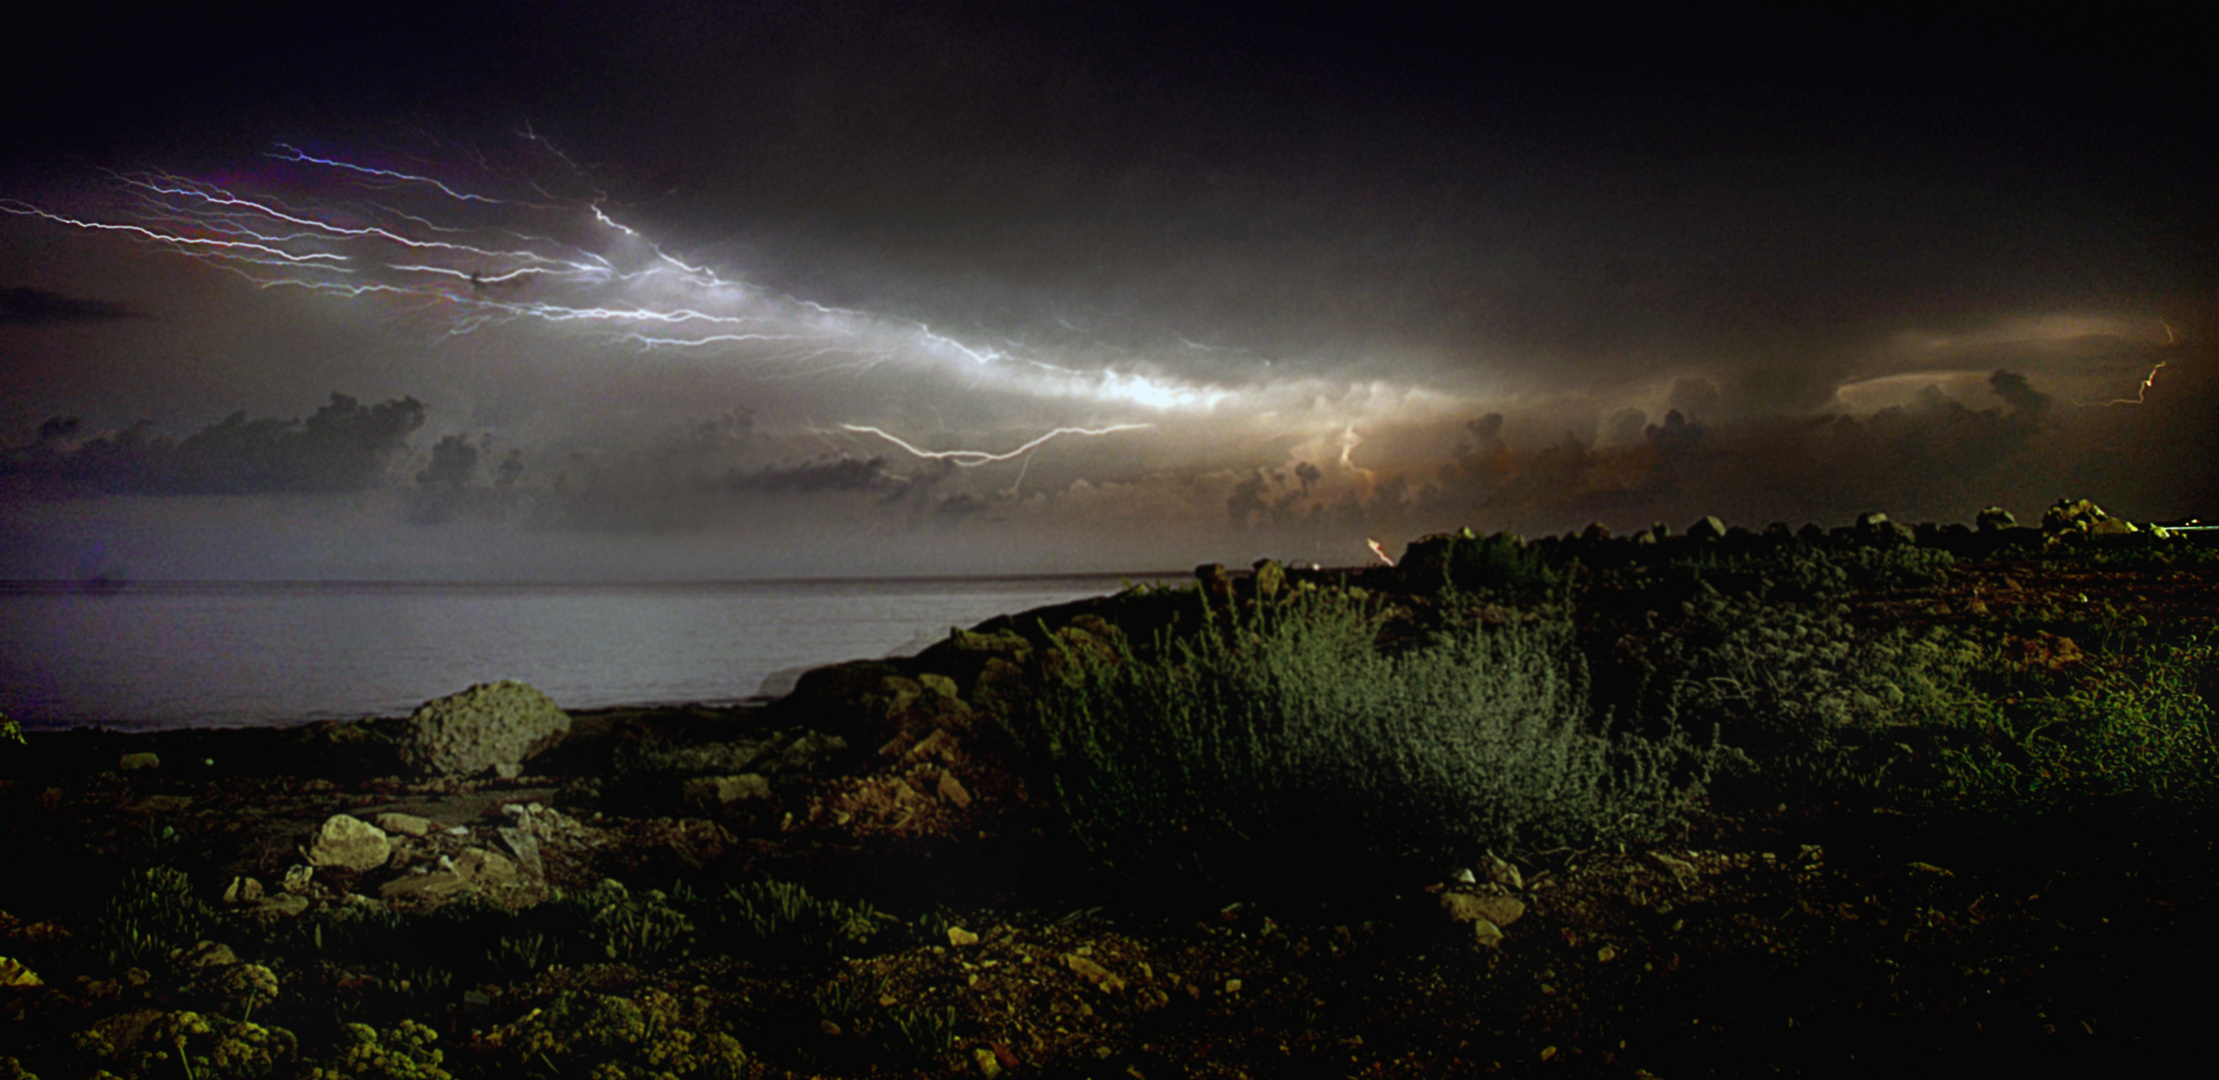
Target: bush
column 1283, row 739
column 1497, row 562
column 1796, row 689
column 2142, row 733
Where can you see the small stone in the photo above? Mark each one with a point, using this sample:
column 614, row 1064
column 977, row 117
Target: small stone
column 1606, row 954
column 404, row 824
column 135, row 762
column 242, row 890
column 297, row 878
column 13, row 973
column 1501, row 872
column 1465, row 877
column 989, row 1065
column 953, row 790
column 939, row 742
column 1102, row 978
column 213, row 954
column 1486, row 933
column 1499, row 910
column 1232, row 986
column 507, row 770
column 350, row 843
column 1460, row 907
column 959, row 936
column 526, row 847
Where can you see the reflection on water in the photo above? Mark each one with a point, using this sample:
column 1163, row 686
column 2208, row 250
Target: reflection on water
column 195, row 654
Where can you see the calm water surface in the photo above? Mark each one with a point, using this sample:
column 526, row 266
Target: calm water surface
column 191, row 654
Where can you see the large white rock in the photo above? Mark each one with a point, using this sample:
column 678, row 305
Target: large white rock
column 351, row 843
column 490, row 726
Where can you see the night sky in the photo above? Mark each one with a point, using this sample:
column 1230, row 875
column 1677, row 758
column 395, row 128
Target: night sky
column 569, row 290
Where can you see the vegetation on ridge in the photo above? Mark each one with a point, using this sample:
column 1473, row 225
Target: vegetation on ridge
column 1265, row 739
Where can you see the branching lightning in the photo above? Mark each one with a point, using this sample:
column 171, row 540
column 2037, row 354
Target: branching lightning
column 466, row 257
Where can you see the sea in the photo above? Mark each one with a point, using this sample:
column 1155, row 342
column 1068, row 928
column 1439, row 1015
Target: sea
column 145, row 655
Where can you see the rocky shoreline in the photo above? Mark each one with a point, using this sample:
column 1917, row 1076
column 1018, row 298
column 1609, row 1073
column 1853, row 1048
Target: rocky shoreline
column 869, row 877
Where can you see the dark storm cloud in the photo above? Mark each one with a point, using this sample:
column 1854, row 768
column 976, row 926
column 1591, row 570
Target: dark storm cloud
column 711, row 473
column 343, row 446
column 825, row 474
column 1659, row 250
column 2016, row 392
column 1932, row 459
column 24, row 306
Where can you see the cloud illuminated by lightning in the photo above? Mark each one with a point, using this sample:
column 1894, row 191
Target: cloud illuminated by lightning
column 464, row 257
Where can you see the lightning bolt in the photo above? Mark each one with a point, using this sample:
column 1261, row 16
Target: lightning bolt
column 2141, row 394
column 969, row 459
column 467, row 257
column 1377, row 550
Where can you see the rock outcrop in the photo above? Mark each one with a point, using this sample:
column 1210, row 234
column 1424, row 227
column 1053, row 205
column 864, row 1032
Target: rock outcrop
column 489, row 727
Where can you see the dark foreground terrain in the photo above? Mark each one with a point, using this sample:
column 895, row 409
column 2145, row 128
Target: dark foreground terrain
column 2002, row 860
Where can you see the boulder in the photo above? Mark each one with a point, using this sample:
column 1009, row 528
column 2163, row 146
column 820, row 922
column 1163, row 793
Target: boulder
column 482, row 729
column 135, row 762
column 1994, row 519
column 349, row 843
